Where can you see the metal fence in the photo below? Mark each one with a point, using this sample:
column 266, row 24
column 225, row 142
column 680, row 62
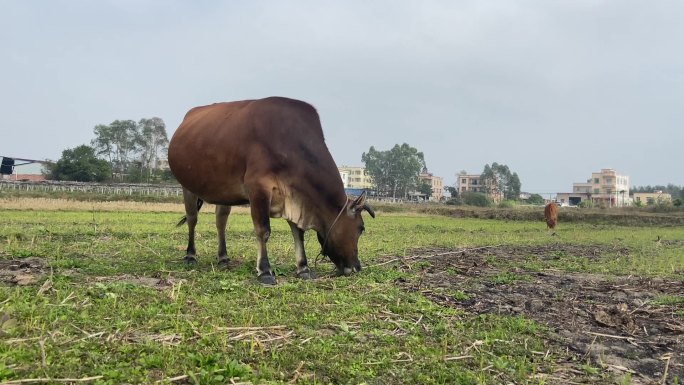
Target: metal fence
column 99, row 188
column 139, row 189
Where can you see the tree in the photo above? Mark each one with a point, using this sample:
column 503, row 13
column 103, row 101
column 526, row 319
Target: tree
column 118, row 142
column 378, row 167
column 513, row 188
column 425, row 188
column 103, row 142
column 153, row 142
column 535, row 199
column 80, row 164
column 394, row 171
column 498, row 180
column 131, row 148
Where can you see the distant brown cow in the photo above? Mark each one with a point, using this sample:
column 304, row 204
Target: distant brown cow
column 271, row 154
column 551, row 216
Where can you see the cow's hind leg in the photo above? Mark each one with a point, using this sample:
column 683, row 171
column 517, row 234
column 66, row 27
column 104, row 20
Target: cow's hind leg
column 192, row 206
column 303, row 271
column 222, row 213
column 260, row 202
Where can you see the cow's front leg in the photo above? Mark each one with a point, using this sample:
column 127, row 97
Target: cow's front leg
column 260, row 208
column 303, row 271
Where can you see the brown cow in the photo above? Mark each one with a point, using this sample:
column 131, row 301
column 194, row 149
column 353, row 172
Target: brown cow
column 551, row 216
column 271, row 154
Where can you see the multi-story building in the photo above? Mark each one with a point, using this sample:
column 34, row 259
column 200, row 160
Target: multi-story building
column 475, row 183
column 469, row 183
column 436, row 182
column 354, row 177
column 606, row 187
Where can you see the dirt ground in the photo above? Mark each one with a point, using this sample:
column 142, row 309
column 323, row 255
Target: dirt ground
column 610, row 320
column 29, row 271
column 26, row 271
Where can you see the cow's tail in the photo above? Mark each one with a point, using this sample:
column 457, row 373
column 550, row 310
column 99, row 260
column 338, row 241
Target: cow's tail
column 185, row 218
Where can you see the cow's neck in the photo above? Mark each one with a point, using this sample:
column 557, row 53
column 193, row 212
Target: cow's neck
column 314, row 211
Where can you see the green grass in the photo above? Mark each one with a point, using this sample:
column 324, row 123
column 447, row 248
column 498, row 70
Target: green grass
column 668, row 300
column 91, row 313
column 507, row 278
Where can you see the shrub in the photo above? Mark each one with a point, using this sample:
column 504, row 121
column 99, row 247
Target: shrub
column 536, row 199
column 476, row 199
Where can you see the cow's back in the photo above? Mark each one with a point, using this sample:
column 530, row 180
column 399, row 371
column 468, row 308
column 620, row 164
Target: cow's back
column 218, row 146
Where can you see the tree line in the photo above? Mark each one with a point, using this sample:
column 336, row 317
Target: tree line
column 395, row 173
column 122, row 151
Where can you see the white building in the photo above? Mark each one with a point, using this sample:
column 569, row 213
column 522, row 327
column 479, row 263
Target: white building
column 606, row 187
column 355, row 177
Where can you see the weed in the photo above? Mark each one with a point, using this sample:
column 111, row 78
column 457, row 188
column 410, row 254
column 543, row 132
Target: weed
column 589, row 369
column 666, row 300
column 506, row 278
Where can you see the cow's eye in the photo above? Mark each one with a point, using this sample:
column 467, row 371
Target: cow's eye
column 362, row 228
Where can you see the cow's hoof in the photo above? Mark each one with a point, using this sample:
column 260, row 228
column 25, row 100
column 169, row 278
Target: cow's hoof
column 306, row 275
column 190, row 259
column 223, row 263
column 267, row 279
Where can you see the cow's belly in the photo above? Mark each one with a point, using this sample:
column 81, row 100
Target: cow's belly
column 224, row 193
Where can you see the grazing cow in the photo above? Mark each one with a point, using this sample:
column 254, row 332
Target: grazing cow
column 551, row 216
column 271, row 154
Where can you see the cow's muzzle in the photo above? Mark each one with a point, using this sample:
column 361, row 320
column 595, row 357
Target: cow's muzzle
column 346, row 270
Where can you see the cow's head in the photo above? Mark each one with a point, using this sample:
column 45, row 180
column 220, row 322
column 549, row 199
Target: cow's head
column 341, row 245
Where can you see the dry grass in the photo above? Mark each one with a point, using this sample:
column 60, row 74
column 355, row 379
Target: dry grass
column 69, row 205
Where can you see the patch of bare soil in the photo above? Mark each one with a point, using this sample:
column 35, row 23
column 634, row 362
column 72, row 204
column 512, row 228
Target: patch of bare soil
column 25, row 271
column 157, row 282
column 620, row 323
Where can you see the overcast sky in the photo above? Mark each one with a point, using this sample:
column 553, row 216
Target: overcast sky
column 554, row 89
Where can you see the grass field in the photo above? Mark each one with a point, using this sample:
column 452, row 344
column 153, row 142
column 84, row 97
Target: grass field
column 97, row 293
